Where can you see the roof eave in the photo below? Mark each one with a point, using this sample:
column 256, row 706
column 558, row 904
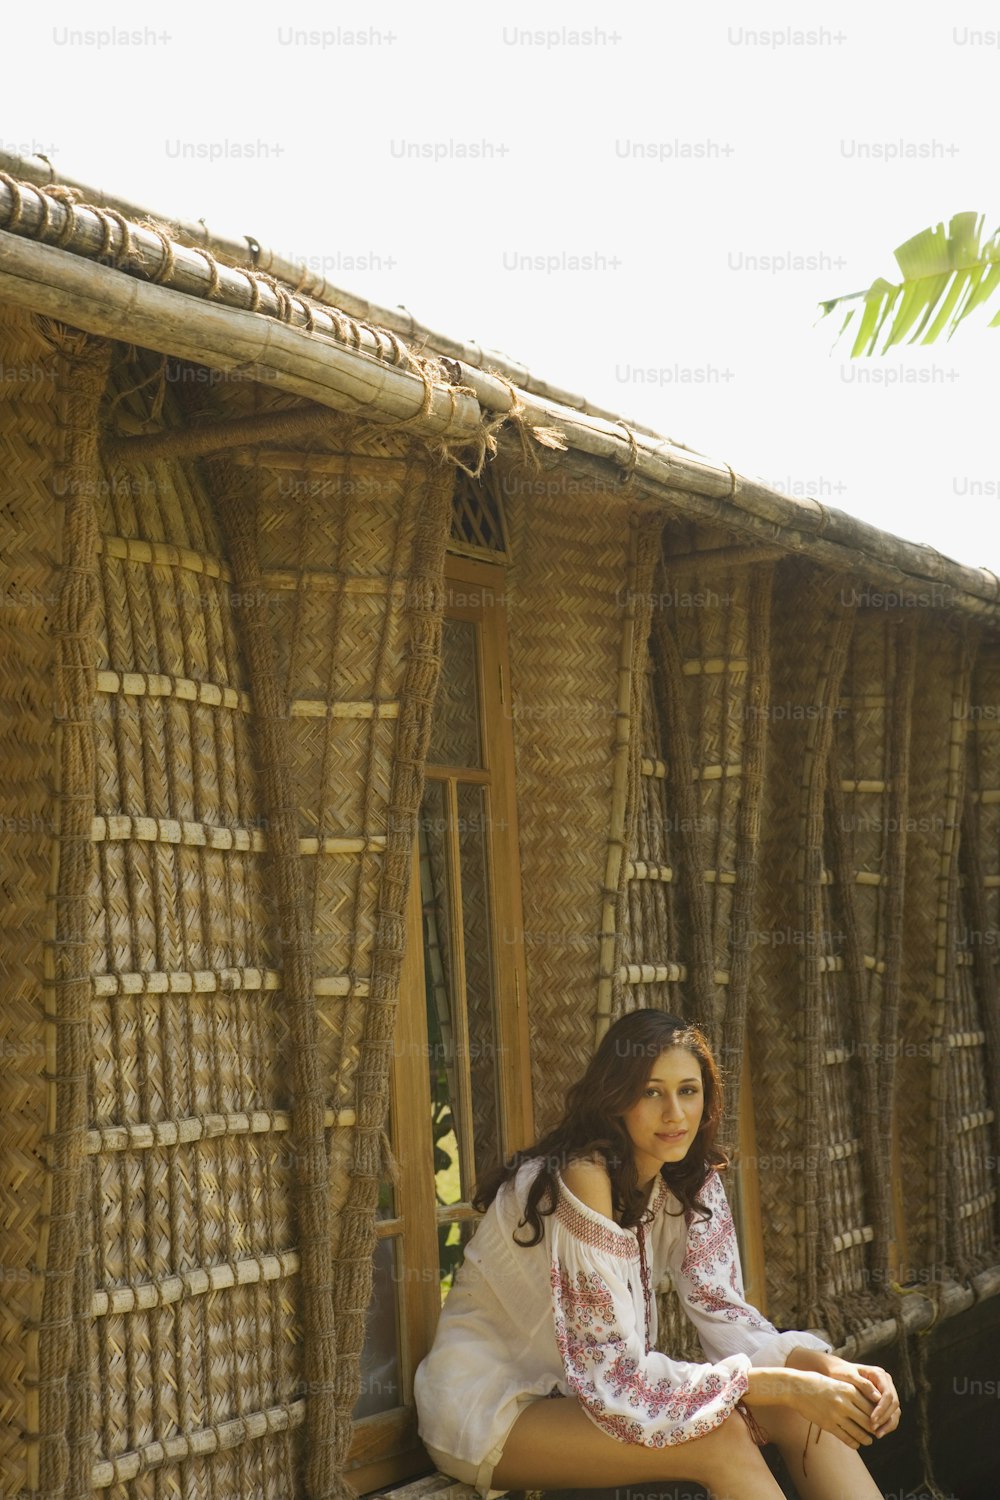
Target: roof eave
column 365, row 371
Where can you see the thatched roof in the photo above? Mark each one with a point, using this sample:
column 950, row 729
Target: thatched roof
column 102, row 264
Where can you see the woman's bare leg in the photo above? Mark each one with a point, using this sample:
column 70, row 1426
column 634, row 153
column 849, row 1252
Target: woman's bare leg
column 554, row 1445
column 832, row 1470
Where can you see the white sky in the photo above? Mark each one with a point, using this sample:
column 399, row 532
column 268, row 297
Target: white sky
column 733, row 359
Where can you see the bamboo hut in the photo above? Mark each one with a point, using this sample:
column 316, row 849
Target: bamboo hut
column 378, row 722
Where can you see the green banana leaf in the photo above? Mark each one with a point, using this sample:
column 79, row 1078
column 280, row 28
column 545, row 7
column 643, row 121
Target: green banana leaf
column 945, row 275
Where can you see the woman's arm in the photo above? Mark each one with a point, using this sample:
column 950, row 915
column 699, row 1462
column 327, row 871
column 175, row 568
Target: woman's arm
column 792, row 1369
column 634, row 1393
column 705, row 1266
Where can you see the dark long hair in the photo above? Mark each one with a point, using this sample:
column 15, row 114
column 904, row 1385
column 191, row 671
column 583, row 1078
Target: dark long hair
column 592, row 1127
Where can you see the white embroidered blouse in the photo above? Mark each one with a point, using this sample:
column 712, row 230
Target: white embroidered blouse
column 575, row 1314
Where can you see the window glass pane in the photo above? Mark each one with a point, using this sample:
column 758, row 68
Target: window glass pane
column 444, row 1036
column 455, row 739
column 461, row 1023
column 480, row 1000
column 386, row 1192
column 452, row 1240
column 380, row 1384
column 386, row 1201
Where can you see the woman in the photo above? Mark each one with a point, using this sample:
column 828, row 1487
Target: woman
column 556, row 1298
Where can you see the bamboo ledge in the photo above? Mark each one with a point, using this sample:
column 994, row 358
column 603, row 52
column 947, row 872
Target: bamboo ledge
column 919, row 1313
column 197, row 1282
column 173, row 1450
column 147, row 1135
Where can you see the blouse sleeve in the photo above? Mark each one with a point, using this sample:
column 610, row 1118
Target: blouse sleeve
column 635, row 1395
column 709, row 1279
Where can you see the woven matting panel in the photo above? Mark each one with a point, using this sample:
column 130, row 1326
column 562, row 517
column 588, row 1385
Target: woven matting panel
column 863, row 875
column 29, row 560
column 973, row 1159
column 984, row 776
column 565, row 624
column 693, row 857
column 357, row 657
column 701, row 636
column 930, row 993
column 186, row 1022
column 801, row 624
column 339, row 645
column 652, row 929
column 351, row 586
column 181, row 1370
column 331, row 641
column 973, row 1087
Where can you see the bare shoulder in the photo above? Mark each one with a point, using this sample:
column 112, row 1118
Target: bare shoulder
column 589, row 1181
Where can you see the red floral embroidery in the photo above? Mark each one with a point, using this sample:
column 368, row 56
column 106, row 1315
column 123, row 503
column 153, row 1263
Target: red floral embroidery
column 585, row 1316
column 590, row 1341
column 710, row 1261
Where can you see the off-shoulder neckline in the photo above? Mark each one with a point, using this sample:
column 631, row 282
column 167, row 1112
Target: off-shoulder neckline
column 625, row 1239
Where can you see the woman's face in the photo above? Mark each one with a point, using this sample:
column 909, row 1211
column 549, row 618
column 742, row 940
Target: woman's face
column 664, row 1120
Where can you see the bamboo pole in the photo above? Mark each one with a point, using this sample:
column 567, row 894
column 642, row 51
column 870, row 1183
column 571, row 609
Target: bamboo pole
column 102, row 300
column 242, row 432
column 248, row 252
column 135, row 249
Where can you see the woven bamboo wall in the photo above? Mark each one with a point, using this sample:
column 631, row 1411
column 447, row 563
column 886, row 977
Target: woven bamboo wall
column 566, row 600
column 692, row 873
column 863, row 898
column 702, row 775
column 943, row 1054
column 222, row 1010
column 186, row 1022
column 832, row 874
column 29, row 559
column 977, row 1069
column 785, row 723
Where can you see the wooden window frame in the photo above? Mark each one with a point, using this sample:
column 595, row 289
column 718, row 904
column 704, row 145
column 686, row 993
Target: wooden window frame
column 386, row 1449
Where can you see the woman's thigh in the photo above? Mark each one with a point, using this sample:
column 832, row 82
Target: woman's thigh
column 553, row 1444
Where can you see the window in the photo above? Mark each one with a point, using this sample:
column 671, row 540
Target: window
column 460, row 1091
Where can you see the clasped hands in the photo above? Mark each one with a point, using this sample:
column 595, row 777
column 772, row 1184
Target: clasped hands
column 856, row 1402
